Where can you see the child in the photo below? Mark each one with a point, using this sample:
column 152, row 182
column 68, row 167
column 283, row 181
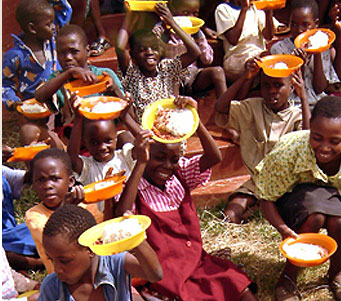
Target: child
column 82, row 275
column 52, row 180
column 243, row 30
column 259, row 123
column 199, row 79
column 144, row 74
column 160, row 187
column 318, row 69
column 299, row 183
column 72, row 55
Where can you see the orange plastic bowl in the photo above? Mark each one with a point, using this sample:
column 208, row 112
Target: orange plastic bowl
column 322, row 240
column 137, row 5
column 27, row 153
column 269, row 4
column 83, row 89
column 93, row 196
column 302, row 40
column 88, row 103
column 41, row 115
column 267, row 62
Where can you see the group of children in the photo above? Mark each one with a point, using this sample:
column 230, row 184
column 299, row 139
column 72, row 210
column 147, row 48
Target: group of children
column 288, row 173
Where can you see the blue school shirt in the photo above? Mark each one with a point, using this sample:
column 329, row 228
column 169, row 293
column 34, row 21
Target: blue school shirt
column 21, row 71
column 110, row 274
column 62, row 12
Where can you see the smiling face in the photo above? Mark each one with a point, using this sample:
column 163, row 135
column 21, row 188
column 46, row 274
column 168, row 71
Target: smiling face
column 275, row 92
column 44, row 25
column 186, row 8
column 146, row 53
column 325, row 140
column 71, row 51
column 301, row 20
column 71, row 261
column 162, row 164
column 100, row 139
column 51, row 181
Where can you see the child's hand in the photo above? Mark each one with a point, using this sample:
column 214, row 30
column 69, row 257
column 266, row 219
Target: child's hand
column 210, row 33
column 7, row 152
column 286, row 232
column 75, row 103
column 298, row 83
column 183, row 101
column 158, row 30
column 85, row 75
column 75, row 196
column 111, row 87
column 164, row 13
column 12, row 105
column 141, row 149
column 335, row 15
column 109, row 174
column 252, row 67
column 128, row 98
column 305, row 56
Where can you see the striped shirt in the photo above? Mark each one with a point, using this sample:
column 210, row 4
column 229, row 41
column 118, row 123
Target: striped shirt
column 171, row 198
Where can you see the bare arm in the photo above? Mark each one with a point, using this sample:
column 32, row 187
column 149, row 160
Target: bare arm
column 269, row 30
column 334, row 14
column 320, row 82
column 233, row 34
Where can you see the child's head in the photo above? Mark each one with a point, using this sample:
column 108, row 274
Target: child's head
column 36, row 17
column 100, row 138
column 275, row 91
column 185, row 7
column 60, row 240
column 325, row 130
column 51, row 176
column 72, row 49
column 163, row 163
column 145, row 50
column 304, row 16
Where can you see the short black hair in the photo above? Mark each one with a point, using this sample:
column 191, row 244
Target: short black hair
column 73, row 29
column 51, row 153
column 137, row 36
column 311, row 4
column 29, row 11
column 69, row 220
column 87, row 122
column 329, row 107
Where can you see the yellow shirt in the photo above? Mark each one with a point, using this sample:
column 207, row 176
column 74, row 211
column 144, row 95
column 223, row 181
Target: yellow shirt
column 36, row 218
column 291, row 162
column 259, row 127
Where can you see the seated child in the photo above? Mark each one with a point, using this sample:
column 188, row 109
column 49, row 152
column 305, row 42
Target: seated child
column 243, row 30
column 160, row 187
column 29, row 63
column 82, row 275
column 259, row 122
column 144, row 74
column 53, row 182
column 72, row 54
column 318, row 71
column 299, row 183
column 199, row 79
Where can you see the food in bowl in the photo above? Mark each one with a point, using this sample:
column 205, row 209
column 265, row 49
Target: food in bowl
column 318, row 40
column 173, row 123
column 305, row 251
column 104, row 184
column 183, row 21
column 31, row 108
column 117, row 231
column 280, row 65
column 104, row 107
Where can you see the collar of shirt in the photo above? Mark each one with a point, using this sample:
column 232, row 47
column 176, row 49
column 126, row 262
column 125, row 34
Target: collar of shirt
column 144, row 184
column 284, row 114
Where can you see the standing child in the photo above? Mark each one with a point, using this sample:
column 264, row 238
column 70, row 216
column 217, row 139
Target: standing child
column 299, row 183
column 82, row 275
column 243, row 30
column 259, row 123
column 318, row 69
column 160, row 188
column 144, row 74
column 52, row 180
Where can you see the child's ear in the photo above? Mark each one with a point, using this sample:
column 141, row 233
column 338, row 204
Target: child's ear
column 87, row 50
column 31, row 28
column 71, row 181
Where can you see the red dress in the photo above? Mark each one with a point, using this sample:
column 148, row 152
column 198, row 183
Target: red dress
column 189, row 273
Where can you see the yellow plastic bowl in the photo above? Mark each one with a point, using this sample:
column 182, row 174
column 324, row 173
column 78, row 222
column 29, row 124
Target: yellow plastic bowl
column 148, row 118
column 84, row 89
column 322, row 240
column 196, row 24
column 93, row 196
column 303, row 38
column 90, row 102
column 26, row 153
column 269, row 4
column 28, row 294
column 267, row 62
column 90, row 236
column 136, row 5
column 34, row 115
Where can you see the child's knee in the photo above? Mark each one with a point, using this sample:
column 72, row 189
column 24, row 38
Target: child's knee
column 334, row 224
column 216, row 73
column 315, row 221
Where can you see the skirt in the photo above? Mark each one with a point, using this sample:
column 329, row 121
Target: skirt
column 306, row 199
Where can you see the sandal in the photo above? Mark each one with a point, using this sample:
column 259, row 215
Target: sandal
column 98, row 47
column 336, row 289
column 286, row 290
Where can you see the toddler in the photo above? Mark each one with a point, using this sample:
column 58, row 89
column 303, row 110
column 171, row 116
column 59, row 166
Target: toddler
column 299, row 183
column 244, row 30
column 82, row 275
column 259, row 123
column 53, row 182
column 318, row 69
